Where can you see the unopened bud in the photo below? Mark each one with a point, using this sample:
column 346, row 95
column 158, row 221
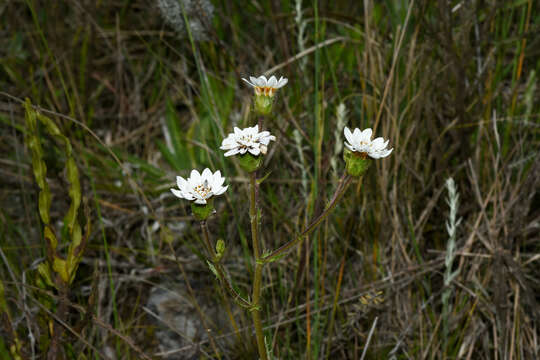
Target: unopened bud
column 220, row 249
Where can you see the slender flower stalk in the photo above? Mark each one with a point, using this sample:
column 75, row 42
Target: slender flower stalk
column 340, row 190
column 257, row 275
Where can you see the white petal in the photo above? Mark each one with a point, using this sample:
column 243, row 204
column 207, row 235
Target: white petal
column 366, row 135
column 237, row 131
column 177, row 193
column 250, row 83
column 200, row 201
column 217, row 179
column 350, row 147
column 206, row 175
column 387, row 152
column 282, row 82
column 231, row 152
column 348, row 134
column 218, row 182
column 182, row 183
column 188, row 196
column 251, row 130
column 195, row 176
column 221, row 190
column 357, row 133
column 380, row 154
column 192, row 182
column 378, row 143
column 261, row 81
column 255, row 151
column 272, row 82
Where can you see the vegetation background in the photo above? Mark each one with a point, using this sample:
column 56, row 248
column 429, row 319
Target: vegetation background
column 452, row 84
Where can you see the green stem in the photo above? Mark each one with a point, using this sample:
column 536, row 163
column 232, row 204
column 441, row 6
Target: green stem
column 340, row 190
column 224, row 280
column 257, row 276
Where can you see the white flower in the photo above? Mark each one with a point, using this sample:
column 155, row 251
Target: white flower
column 266, row 87
column 248, row 139
column 200, row 187
column 360, row 141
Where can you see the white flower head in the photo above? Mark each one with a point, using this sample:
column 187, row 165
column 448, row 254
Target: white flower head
column 266, row 87
column 247, row 140
column 200, row 187
column 360, row 141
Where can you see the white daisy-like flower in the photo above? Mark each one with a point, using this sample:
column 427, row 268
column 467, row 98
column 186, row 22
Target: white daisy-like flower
column 266, row 87
column 200, row 187
column 360, row 141
column 247, row 140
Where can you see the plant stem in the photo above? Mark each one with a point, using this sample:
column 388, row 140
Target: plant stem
column 220, row 270
column 257, row 276
column 340, row 190
column 58, row 327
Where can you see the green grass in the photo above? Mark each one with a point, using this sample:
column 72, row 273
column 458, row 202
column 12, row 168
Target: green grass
column 454, row 88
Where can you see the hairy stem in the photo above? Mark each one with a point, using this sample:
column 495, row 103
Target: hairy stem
column 257, row 276
column 340, row 190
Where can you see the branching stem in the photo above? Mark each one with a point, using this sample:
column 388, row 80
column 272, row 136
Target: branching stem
column 340, row 190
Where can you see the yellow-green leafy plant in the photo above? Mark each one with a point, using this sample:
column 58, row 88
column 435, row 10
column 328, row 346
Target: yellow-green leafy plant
column 60, row 267
column 249, row 145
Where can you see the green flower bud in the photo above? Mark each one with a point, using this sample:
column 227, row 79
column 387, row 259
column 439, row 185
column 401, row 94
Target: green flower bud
column 250, row 162
column 263, row 104
column 203, row 211
column 220, row 248
column 356, row 163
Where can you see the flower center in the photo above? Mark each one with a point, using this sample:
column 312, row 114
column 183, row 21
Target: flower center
column 203, row 189
column 246, row 142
